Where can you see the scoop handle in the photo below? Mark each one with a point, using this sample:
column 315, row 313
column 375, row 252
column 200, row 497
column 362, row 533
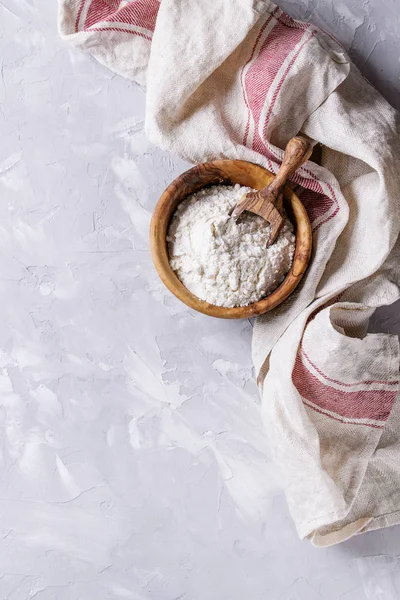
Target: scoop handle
column 268, row 202
column 297, row 152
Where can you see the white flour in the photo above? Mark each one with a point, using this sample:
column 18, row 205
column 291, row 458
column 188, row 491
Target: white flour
column 221, row 260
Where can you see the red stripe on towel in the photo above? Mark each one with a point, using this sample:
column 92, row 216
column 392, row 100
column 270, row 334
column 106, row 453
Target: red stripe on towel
column 246, row 133
column 141, row 13
column 316, row 203
column 364, row 404
column 99, row 10
column 285, row 74
column 132, row 32
column 260, row 76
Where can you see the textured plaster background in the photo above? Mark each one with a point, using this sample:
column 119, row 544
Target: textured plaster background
column 133, row 460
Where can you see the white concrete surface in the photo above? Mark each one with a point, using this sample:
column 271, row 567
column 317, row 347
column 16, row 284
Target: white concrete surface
column 133, row 459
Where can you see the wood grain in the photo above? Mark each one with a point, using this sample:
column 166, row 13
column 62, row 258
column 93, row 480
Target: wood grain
column 227, row 172
column 268, row 202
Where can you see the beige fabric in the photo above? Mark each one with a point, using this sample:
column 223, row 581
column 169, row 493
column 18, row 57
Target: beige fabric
column 237, row 79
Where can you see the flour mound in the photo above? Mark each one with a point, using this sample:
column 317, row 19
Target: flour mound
column 222, row 260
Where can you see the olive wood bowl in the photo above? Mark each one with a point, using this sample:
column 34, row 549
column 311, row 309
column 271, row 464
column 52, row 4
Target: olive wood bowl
column 227, row 172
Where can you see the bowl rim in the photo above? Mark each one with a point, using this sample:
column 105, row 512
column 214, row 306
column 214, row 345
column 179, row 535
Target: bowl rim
column 161, row 218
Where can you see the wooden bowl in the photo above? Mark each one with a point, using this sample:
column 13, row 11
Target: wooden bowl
column 227, row 172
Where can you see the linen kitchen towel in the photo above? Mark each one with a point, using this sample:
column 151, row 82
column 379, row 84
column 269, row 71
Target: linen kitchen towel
column 237, row 79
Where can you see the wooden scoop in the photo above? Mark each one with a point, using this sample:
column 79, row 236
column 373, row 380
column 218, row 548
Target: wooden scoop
column 268, row 202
